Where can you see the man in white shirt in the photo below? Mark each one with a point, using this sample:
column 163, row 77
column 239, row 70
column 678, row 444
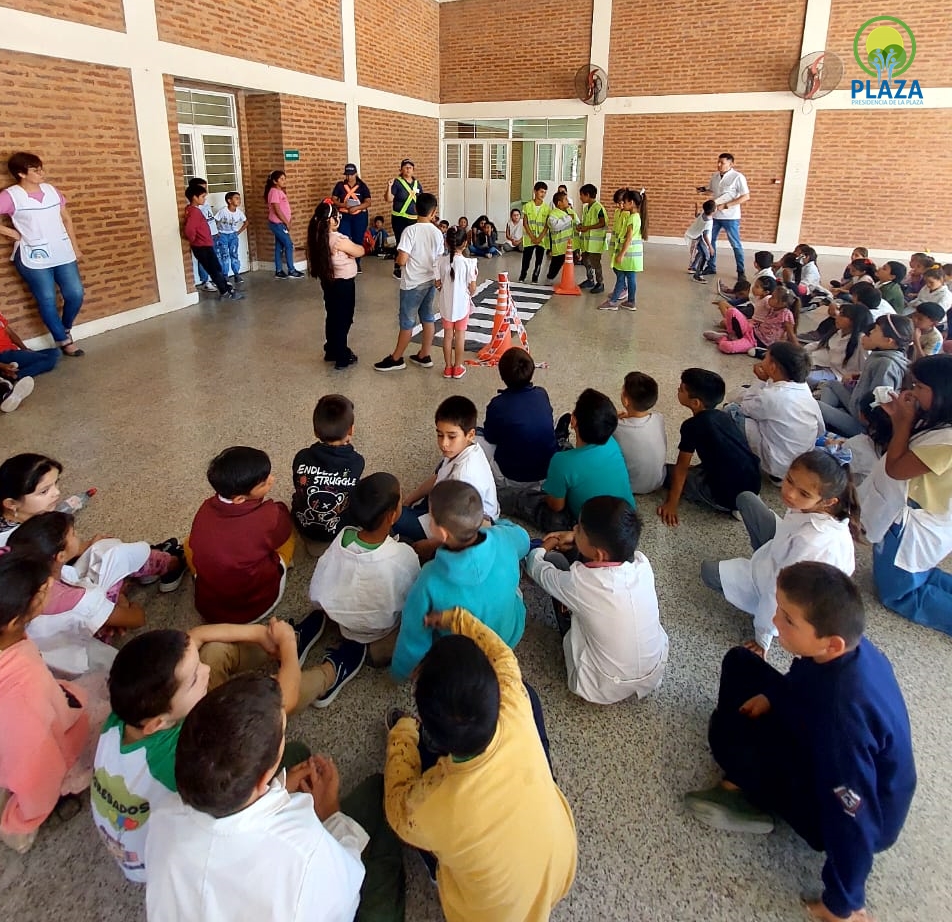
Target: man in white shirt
column 245, row 840
column 729, row 190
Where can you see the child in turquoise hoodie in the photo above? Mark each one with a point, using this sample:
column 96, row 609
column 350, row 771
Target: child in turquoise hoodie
column 476, row 568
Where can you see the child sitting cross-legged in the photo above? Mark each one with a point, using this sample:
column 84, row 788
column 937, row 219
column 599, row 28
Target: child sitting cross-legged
column 595, row 467
column 244, row 839
column 476, row 566
column 476, row 752
column 606, row 606
column 826, row 746
column 241, row 543
column 778, row 416
column 821, row 523
column 363, row 578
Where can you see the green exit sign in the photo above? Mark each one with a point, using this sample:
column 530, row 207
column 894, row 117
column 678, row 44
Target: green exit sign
column 292, row 155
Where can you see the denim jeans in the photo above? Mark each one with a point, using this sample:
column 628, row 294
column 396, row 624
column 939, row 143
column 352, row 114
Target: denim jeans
column 43, row 283
column 31, row 362
column 732, row 229
column 355, row 226
column 282, row 246
column 623, row 279
column 417, row 303
column 222, row 243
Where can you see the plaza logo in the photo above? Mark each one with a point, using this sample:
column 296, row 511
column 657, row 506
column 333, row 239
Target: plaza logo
column 884, row 48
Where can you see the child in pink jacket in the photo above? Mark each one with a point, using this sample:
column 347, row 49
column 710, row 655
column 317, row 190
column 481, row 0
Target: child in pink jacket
column 44, row 725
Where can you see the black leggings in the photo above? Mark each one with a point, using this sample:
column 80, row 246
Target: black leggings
column 206, row 258
column 527, row 258
column 339, row 298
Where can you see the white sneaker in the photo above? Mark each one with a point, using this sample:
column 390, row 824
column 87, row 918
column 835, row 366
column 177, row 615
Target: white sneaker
column 209, row 286
column 629, row 306
column 20, row 391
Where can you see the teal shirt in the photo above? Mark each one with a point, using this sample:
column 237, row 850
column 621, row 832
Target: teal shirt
column 592, row 470
column 482, row 578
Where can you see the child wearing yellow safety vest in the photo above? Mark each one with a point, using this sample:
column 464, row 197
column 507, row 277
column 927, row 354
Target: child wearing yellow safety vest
column 628, row 249
column 592, row 229
column 562, row 220
column 535, row 230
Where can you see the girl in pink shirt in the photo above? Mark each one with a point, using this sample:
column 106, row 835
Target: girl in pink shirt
column 279, row 222
column 44, row 725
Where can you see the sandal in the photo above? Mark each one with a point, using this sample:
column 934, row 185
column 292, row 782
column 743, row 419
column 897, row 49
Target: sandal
column 76, row 353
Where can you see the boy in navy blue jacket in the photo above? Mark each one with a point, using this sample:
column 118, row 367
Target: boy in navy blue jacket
column 519, row 423
column 826, row 747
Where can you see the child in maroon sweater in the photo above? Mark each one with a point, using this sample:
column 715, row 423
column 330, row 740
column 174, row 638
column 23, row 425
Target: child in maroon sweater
column 241, row 543
column 200, row 239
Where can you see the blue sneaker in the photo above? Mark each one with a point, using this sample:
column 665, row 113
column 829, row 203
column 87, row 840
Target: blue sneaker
column 309, row 632
column 588, row 283
column 347, row 658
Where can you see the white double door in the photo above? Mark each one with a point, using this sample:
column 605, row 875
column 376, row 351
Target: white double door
column 476, row 181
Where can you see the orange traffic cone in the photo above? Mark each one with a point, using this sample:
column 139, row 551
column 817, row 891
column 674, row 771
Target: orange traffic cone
column 567, row 284
column 500, row 340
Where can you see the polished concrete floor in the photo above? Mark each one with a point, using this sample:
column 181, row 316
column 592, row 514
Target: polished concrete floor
column 142, row 414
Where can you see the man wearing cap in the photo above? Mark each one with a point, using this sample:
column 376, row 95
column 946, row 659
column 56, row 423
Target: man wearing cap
column 352, row 198
column 402, row 196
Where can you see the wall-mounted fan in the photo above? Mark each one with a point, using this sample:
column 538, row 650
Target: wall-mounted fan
column 591, row 84
column 815, row 75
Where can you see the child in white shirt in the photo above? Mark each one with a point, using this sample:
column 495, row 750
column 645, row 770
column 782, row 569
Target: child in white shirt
column 456, row 283
column 606, row 607
column 232, row 222
column 698, row 238
column 640, row 433
column 514, row 232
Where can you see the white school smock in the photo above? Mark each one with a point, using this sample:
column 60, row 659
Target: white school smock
column 751, row 584
column 44, row 242
column 455, row 300
column 926, row 538
column 273, row 860
column 616, row 646
column 472, row 467
column 833, row 355
column 783, row 421
column 363, row 590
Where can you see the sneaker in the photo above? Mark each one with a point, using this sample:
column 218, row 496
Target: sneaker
column 424, row 361
column 346, row 658
column 588, row 283
column 700, row 278
column 714, row 336
column 22, row 388
column 389, row 363
column 394, row 716
column 459, row 371
column 341, row 366
column 757, row 352
column 397, row 273
column 522, row 278
column 168, row 546
column 169, row 582
column 296, row 274
column 597, row 289
column 448, row 372
column 232, row 295
column 629, row 306
column 563, row 426
column 735, row 513
column 724, row 289
column 727, row 810
column 236, row 280
column 609, row 305
column 535, row 278
column 209, row 286
column 309, row 632
column 280, row 275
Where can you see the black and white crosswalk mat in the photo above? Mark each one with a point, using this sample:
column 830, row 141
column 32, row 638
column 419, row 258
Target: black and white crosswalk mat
column 527, row 299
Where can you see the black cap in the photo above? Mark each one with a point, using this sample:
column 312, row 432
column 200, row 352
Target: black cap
column 350, row 168
column 407, row 162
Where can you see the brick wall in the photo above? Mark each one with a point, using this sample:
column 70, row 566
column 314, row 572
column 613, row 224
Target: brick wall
column 302, row 35
column 315, row 128
column 671, row 154
column 479, row 62
column 855, row 197
column 178, row 172
column 714, row 47
column 399, row 46
column 932, row 65
column 107, row 14
column 382, row 147
column 90, row 149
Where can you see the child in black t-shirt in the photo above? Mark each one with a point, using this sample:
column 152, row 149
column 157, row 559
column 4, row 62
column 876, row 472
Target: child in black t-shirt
column 325, row 473
column 728, row 467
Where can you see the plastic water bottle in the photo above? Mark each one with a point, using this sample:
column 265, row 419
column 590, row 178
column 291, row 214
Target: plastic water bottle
column 76, row 502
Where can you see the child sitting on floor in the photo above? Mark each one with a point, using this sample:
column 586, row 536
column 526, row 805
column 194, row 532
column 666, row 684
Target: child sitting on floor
column 44, row 725
column 927, row 338
column 518, row 435
column 839, row 353
column 640, row 433
column 827, row 746
column 728, row 467
column 889, row 283
column 778, row 416
column 363, row 578
column 606, row 606
column 475, row 566
column 241, row 543
column 821, row 523
column 325, row 474
column 514, row 857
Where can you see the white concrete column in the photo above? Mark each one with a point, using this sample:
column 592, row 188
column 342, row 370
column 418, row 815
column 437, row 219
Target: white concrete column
column 351, row 109
column 595, row 127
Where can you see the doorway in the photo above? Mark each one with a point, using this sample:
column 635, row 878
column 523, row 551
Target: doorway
column 477, row 181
